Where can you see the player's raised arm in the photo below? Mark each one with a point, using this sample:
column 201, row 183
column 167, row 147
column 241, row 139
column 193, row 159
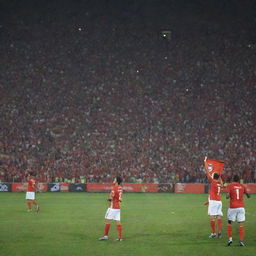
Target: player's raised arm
column 206, row 168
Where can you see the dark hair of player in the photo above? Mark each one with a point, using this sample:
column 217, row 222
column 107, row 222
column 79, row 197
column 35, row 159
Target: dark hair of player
column 236, row 178
column 119, row 180
column 216, row 175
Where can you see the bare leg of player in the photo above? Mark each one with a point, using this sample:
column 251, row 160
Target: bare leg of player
column 119, row 230
column 219, row 222
column 241, row 233
column 213, row 226
column 106, row 231
column 29, row 205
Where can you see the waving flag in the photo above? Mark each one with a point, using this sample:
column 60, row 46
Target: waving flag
column 215, row 166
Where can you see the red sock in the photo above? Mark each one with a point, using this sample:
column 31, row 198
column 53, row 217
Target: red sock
column 29, row 205
column 229, row 230
column 35, row 203
column 119, row 229
column 219, row 225
column 107, row 227
column 212, row 222
column 241, row 233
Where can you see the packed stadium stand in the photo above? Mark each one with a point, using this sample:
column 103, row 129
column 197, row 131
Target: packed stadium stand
column 88, row 92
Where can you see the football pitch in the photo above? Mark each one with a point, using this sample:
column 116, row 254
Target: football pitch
column 153, row 224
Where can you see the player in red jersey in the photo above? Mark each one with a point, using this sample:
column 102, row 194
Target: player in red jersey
column 215, row 204
column 31, row 191
column 113, row 212
column 236, row 211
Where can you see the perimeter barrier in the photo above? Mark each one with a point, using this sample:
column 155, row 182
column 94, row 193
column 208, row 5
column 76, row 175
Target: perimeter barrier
column 197, row 188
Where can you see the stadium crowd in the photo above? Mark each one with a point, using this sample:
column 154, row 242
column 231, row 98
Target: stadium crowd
column 87, row 95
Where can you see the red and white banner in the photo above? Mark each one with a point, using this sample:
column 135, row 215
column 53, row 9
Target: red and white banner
column 22, row 187
column 215, row 166
column 131, row 187
column 19, row 187
column 251, row 188
column 64, row 187
column 99, row 187
column 42, row 187
column 189, row 188
column 140, row 187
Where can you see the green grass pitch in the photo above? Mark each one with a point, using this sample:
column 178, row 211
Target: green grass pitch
column 153, row 224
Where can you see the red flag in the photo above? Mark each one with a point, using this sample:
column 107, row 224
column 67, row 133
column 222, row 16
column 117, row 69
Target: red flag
column 215, row 166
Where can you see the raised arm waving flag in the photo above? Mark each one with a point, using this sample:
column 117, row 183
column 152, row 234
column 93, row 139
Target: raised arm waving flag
column 215, row 166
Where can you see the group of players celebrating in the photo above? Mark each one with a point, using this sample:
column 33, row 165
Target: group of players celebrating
column 236, row 211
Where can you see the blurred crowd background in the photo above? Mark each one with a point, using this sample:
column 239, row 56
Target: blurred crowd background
column 90, row 89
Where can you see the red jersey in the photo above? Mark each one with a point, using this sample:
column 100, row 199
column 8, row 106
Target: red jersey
column 215, row 188
column 31, row 185
column 236, row 192
column 116, row 196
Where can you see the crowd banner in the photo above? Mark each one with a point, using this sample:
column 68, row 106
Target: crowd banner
column 53, row 187
column 64, row 187
column 19, row 187
column 141, row 187
column 42, row 187
column 22, row 187
column 5, row 187
column 251, row 187
column 130, row 187
column 165, row 188
column 58, row 187
column 77, row 187
column 93, row 187
column 189, row 188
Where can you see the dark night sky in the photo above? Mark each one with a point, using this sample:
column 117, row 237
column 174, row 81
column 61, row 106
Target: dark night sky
column 145, row 11
column 24, row 19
